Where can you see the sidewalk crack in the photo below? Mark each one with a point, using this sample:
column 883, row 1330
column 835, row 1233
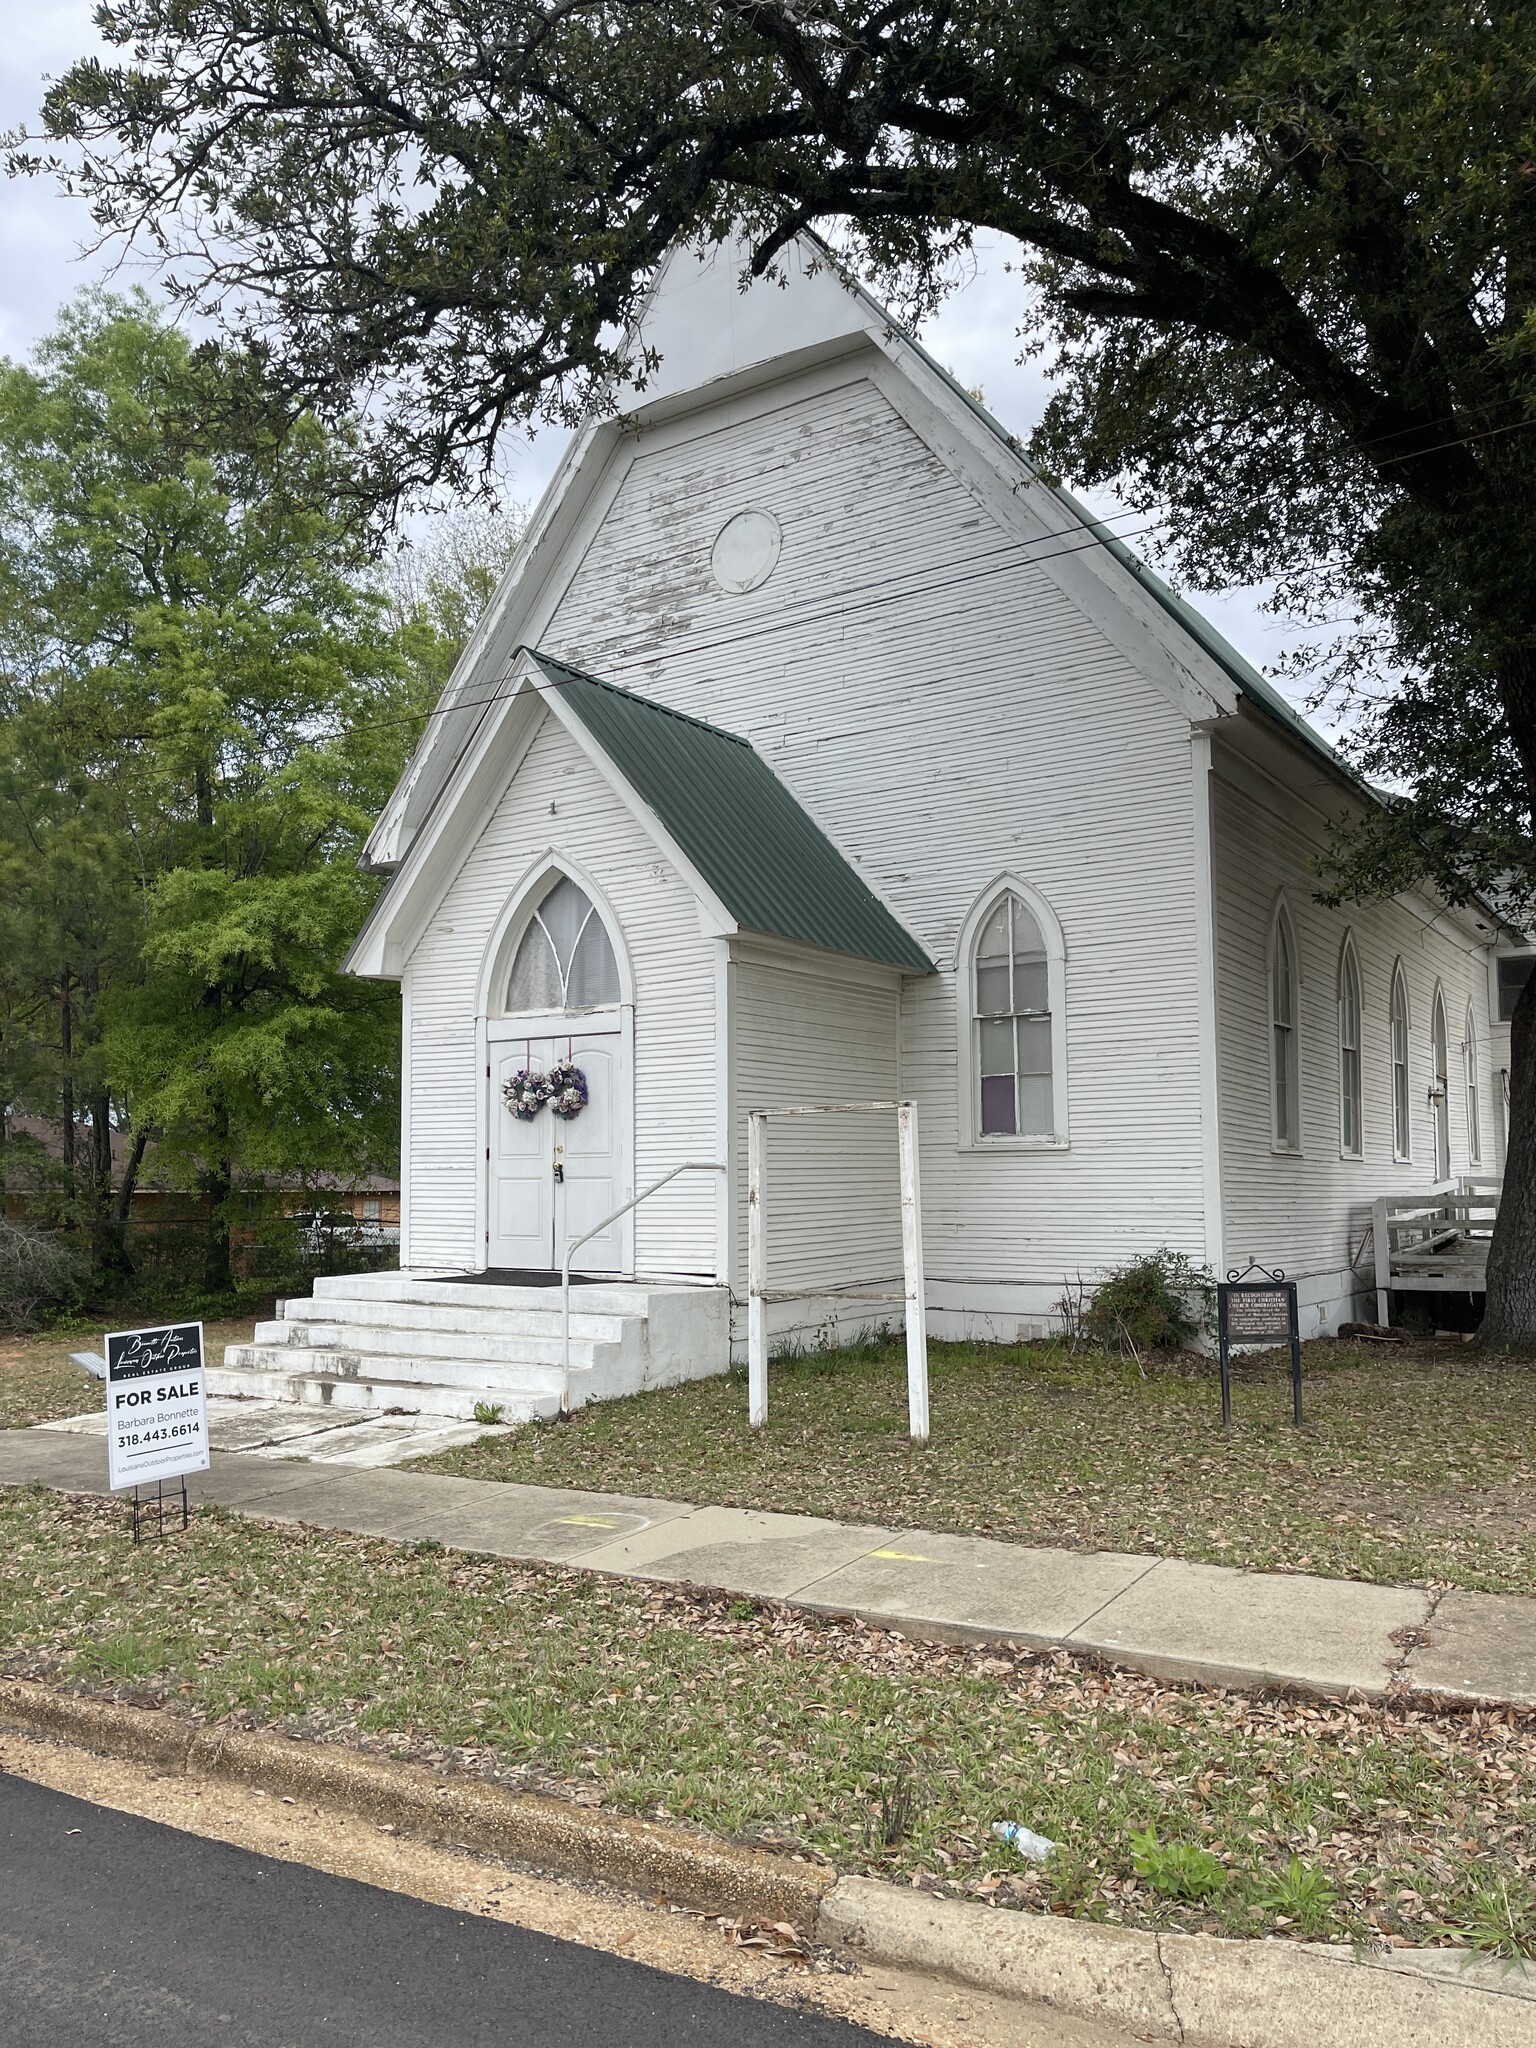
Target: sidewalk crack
column 1416, row 1638
column 1162, row 1963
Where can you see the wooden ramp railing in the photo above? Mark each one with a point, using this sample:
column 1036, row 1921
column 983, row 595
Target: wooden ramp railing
column 1433, row 1244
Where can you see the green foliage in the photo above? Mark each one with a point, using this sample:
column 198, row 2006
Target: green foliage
column 1302, row 1895
column 489, row 1412
column 124, row 1657
column 1498, row 1920
column 205, row 698
column 1177, row 1870
column 40, row 1270
column 1158, row 1302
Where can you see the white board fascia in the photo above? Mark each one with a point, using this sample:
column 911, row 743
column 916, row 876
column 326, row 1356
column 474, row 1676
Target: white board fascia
column 715, row 921
column 468, row 802
column 1085, row 571
column 500, row 629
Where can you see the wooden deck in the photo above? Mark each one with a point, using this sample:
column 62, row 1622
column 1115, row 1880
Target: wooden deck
column 1435, row 1243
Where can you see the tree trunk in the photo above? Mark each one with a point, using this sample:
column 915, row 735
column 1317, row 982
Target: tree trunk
column 109, row 1252
column 218, row 1184
column 67, row 1082
column 122, row 1206
column 1509, row 1306
column 1509, row 1309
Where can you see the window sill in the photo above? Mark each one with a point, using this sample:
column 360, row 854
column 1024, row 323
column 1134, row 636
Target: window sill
column 1285, row 1151
column 1005, row 1144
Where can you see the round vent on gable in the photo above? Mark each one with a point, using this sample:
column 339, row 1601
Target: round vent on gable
column 745, row 551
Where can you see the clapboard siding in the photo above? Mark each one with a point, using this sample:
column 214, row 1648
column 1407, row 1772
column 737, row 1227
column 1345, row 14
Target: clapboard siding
column 803, row 1036
column 676, row 1111
column 1308, row 1212
column 946, row 713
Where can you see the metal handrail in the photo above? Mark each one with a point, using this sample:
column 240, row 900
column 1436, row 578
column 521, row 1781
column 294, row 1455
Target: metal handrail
column 691, row 1166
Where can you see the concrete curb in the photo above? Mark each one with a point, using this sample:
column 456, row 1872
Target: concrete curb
column 1194, row 1989
column 680, row 1864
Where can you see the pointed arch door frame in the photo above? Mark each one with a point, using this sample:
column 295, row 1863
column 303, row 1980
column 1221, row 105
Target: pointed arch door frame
column 503, row 1041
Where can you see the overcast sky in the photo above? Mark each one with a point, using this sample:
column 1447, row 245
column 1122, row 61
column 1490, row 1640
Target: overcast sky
column 44, row 238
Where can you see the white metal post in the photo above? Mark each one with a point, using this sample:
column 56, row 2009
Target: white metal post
column 757, row 1276
column 912, row 1264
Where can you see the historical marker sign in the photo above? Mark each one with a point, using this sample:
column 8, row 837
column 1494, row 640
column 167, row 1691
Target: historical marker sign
column 1259, row 1315
column 1258, row 1311
column 157, row 1404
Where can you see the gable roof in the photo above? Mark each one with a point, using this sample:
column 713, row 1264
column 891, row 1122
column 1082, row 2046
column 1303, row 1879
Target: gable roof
column 716, row 337
column 748, row 838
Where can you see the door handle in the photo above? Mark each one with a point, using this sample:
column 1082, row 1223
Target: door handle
column 559, row 1170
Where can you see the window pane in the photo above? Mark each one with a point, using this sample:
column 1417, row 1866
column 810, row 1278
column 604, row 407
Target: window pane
column 1026, row 933
column 1035, row 1045
column 1282, row 976
column 564, row 911
column 997, row 1114
column 594, row 971
column 535, row 983
column 997, row 1048
column 995, row 942
column 1284, row 1107
column 992, row 989
column 1350, row 1121
column 1031, row 985
column 1035, row 1113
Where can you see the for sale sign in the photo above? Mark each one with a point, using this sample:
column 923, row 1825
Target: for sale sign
column 157, row 1404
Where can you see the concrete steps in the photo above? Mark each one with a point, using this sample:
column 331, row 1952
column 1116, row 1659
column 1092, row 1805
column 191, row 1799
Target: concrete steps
column 434, row 1345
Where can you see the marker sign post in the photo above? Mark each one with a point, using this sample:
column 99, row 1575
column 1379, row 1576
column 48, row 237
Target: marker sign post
column 1257, row 1311
column 157, row 1411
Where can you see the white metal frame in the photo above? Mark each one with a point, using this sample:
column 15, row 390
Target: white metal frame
column 913, row 1291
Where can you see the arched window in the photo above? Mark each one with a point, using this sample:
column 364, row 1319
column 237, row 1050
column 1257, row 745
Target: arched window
column 1402, row 1128
column 1284, row 1049
column 565, row 960
column 1012, row 984
column 1474, row 1116
column 1349, row 1053
column 1440, row 1085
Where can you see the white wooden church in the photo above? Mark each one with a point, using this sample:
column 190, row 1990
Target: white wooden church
column 817, row 750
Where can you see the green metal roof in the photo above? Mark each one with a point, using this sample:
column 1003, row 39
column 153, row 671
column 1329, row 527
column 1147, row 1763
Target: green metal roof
column 766, row 859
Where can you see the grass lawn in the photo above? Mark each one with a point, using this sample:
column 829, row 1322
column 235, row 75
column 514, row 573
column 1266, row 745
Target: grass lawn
column 38, row 1383
column 1415, row 1466
column 828, row 1738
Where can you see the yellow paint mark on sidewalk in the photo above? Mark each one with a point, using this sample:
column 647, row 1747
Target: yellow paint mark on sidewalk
column 904, row 1556
column 588, row 1521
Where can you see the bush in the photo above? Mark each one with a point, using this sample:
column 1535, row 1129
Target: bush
column 1156, row 1303
column 39, row 1270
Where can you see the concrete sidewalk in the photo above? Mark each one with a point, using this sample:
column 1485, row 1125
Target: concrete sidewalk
column 1176, row 1620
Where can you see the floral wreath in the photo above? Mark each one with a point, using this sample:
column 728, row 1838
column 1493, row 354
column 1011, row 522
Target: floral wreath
column 563, row 1087
column 526, row 1094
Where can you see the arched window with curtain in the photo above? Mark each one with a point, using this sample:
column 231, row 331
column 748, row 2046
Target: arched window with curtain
column 1474, row 1107
column 1285, row 1050
column 1402, row 1127
column 565, row 960
column 1350, row 1103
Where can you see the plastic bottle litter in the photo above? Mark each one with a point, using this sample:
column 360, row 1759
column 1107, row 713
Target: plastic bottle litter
column 1032, row 1847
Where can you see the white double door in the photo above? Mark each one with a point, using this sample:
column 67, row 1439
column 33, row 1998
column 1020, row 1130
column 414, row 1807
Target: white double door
column 551, row 1178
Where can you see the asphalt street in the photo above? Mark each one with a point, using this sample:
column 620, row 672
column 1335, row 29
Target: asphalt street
column 116, row 1932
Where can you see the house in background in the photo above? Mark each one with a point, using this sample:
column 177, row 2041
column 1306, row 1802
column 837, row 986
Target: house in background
column 816, row 749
